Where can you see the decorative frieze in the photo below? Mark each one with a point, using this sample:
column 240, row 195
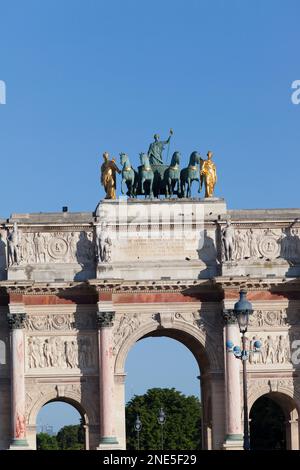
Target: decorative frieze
column 268, row 318
column 59, row 322
column 55, row 247
column 258, row 243
column 275, row 318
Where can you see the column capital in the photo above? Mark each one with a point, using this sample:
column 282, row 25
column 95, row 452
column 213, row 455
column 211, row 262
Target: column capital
column 16, row 321
column 229, row 317
column 105, row 319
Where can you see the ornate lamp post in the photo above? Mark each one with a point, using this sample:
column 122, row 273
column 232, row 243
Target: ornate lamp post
column 161, row 420
column 242, row 310
column 138, row 428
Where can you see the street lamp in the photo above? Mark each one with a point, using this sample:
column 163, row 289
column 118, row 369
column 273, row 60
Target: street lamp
column 138, row 428
column 161, row 420
column 242, row 310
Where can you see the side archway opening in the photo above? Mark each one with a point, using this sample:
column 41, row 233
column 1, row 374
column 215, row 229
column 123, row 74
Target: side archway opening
column 61, row 424
column 274, row 423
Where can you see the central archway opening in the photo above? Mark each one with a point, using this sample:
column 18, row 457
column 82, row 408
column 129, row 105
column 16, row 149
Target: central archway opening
column 163, row 372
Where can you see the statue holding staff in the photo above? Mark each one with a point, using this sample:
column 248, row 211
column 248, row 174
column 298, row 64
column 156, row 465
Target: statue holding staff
column 156, row 149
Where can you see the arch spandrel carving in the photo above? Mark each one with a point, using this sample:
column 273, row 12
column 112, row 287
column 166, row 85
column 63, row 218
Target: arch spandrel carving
column 288, row 387
column 205, row 348
column 39, row 395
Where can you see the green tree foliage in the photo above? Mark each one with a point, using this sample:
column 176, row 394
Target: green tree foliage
column 182, row 429
column 68, row 438
column 46, row 442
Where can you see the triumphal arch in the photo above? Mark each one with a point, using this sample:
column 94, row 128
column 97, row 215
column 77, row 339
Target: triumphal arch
column 78, row 290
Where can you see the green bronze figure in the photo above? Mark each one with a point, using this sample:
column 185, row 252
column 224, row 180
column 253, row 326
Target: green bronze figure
column 156, row 149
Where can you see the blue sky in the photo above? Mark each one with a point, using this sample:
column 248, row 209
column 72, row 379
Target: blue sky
column 83, row 77
column 87, row 76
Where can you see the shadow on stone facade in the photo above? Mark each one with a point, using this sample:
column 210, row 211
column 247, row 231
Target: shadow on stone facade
column 209, row 256
column 86, row 257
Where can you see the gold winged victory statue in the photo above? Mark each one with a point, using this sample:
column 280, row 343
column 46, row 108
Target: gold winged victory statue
column 208, row 174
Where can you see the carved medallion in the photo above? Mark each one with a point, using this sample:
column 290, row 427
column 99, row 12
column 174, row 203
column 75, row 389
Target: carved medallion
column 269, row 247
column 57, row 248
column 61, row 322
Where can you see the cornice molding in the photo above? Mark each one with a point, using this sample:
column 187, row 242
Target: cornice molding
column 188, row 287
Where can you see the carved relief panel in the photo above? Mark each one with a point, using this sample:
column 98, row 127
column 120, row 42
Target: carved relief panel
column 52, row 342
column 56, row 247
column 266, row 244
column 268, row 318
column 61, row 352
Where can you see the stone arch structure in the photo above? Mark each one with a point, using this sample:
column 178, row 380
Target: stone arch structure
column 69, row 319
column 194, row 339
column 203, row 351
column 71, row 397
column 290, row 406
column 283, row 388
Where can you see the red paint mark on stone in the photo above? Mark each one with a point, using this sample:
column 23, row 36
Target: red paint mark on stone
column 20, row 426
column 20, row 352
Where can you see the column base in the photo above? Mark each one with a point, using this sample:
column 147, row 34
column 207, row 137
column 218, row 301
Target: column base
column 109, row 443
column 234, row 442
column 19, row 444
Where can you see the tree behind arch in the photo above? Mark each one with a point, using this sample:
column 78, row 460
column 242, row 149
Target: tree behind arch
column 182, row 429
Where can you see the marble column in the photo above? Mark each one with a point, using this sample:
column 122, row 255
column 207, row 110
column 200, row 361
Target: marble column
column 18, row 419
column 292, row 431
column 106, row 375
column 234, row 435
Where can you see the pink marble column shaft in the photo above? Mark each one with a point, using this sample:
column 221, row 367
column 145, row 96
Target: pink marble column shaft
column 106, row 374
column 16, row 322
column 233, row 386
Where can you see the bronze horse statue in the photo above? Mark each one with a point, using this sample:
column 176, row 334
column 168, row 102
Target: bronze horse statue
column 146, row 175
column 190, row 174
column 172, row 176
column 129, row 176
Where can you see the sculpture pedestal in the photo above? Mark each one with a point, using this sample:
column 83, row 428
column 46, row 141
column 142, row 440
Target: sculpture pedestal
column 153, row 239
column 50, row 272
column 260, row 268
